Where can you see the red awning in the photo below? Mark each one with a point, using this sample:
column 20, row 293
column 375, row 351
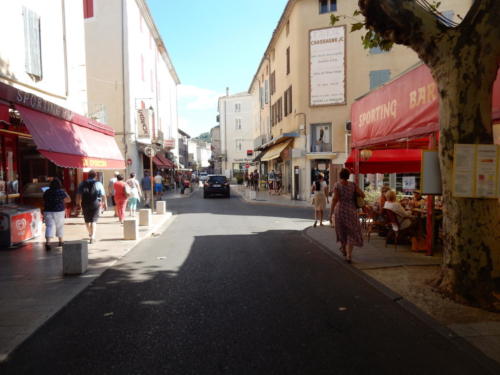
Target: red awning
column 389, row 161
column 405, row 108
column 73, row 144
column 162, row 161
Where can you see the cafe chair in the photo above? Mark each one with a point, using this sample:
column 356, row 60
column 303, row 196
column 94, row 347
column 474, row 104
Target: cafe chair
column 375, row 222
column 393, row 228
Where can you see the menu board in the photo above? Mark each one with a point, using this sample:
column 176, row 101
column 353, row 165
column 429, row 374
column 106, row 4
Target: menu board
column 327, row 66
column 476, row 171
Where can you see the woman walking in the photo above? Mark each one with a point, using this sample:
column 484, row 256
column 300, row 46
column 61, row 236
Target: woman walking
column 134, row 195
column 121, row 196
column 347, row 224
column 54, row 200
column 320, row 199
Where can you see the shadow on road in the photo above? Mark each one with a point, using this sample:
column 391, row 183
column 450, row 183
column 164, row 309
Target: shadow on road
column 264, row 303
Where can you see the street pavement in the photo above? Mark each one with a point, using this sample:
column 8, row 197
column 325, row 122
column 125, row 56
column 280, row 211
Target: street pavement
column 233, row 288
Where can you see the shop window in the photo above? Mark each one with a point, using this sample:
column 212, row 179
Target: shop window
column 379, row 77
column 321, row 140
column 88, row 9
column 327, row 6
column 32, row 44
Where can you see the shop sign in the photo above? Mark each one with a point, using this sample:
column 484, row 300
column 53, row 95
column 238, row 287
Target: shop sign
column 94, row 163
column 143, row 117
column 37, row 103
column 169, row 143
column 249, row 152
column 129, row 161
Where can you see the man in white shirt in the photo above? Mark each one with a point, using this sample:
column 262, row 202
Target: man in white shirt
column 158, row 180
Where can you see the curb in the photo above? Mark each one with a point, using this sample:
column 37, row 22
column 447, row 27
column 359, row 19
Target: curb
column 461, row 343
column 169, row 218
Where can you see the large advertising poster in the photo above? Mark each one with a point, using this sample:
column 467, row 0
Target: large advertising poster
column 327, row 66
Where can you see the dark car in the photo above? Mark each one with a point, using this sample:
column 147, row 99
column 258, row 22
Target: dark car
column 216, row 184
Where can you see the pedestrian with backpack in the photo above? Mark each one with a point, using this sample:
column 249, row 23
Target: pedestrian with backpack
column 89, row 197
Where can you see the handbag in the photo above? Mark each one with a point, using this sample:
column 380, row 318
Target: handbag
column 359, row 201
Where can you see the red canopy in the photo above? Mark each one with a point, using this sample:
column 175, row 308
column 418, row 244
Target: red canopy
column 162, row 161
column 407, row 107
column 73, row 144
column 389, row 161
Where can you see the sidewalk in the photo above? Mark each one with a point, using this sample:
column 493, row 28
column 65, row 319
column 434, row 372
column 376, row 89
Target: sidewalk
column 32, row 287
column 264, row 197
column 404, row 275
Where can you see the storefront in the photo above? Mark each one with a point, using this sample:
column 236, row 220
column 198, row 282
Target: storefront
column 40, row 140
column 393, row 125
column 278, row 160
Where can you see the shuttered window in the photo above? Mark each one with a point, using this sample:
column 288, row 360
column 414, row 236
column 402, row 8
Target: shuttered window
column 32, row 44
column 379, row 77
column 266, row 95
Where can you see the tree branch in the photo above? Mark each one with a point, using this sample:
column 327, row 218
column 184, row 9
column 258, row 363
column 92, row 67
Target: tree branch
column 405, row 22
column 484, row 14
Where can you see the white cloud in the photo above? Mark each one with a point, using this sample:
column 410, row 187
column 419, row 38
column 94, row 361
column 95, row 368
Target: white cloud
column 198, row 99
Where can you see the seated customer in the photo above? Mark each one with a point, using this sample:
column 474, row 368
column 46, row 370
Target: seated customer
column 417, row 201
column 382, row 199
column 403, row 216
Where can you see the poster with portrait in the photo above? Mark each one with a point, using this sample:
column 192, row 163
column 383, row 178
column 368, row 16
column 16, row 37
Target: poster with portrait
column 321, row 138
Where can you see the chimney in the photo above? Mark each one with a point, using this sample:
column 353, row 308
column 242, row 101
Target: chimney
column 227, row 91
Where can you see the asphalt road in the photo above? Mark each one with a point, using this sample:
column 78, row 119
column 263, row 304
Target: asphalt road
column 232, row 288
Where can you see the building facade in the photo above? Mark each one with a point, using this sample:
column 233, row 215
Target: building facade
column 308, row 78
column 216, row 150
column 236, row 133
column 132, row 83
column 44, row 131
column 183, row 147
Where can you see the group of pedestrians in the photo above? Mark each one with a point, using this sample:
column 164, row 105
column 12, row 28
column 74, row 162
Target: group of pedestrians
column 92, row 200
column 343, row 211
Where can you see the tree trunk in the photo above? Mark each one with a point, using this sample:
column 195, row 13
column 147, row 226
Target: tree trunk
column 471, row 226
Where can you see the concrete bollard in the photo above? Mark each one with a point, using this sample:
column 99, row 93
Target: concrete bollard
column 161, row 207
column 145, row 217
column 130, row 230
column 75, row 257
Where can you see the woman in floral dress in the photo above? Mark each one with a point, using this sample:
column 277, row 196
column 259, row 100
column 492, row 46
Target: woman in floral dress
column 347, row 223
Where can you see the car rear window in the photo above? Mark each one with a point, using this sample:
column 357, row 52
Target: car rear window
column 217, row 179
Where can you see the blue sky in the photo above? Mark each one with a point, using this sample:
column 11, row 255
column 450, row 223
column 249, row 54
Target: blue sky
column 213, row 45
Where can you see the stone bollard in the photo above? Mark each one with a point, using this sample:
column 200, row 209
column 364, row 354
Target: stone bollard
column 130, row 230
column 145, row 217
column 161, row 207
column 75, row 257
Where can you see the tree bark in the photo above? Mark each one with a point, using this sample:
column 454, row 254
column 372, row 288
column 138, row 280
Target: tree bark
column 464, row 63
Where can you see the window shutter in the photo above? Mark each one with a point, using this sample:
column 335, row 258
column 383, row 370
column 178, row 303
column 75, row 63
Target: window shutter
column 32, row 47
column 261, row 92
column 266, row 95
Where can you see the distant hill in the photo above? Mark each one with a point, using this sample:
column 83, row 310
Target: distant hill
column 205, row 137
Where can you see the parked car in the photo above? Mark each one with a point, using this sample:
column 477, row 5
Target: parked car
column 216, row 184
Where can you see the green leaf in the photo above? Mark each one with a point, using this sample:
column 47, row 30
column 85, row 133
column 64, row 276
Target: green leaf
column 357, row 26
column 334, row 19
column 356, row 13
